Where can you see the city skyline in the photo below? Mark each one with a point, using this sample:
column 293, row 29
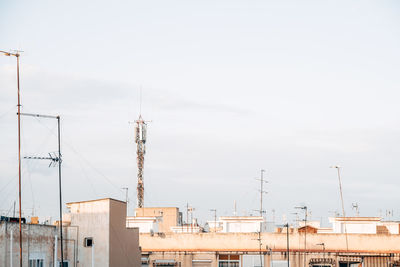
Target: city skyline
column 230, row 88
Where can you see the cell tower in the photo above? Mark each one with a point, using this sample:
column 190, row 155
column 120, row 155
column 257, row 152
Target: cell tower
column 140, row 139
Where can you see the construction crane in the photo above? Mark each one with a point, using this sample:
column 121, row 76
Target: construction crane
column 140, row 139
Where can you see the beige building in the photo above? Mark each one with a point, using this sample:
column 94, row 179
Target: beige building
column 170, row 217
column 94, row 234
column 38, row 245
column 102, row 223
column 270, row 249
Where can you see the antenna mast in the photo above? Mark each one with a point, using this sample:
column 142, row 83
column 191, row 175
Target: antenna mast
column 262, row 192
column 140, row 139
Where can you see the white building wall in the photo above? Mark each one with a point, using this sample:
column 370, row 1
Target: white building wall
column 145, row 224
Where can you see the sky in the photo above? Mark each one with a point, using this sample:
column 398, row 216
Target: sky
column 230, row 88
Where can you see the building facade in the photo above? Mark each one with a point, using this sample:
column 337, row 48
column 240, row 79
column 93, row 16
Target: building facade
column 270, row 249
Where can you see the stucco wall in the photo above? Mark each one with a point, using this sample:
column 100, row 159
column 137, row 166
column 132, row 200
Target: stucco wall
column 276, row 241
column 93, row 220
column 37, row 243
column 124, row 242
column 170, row 216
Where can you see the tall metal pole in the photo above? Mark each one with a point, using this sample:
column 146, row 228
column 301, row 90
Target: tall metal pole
column 287, row 244
column 343, row 211
column 11, row 247
column 261, row 192
column 305, row 233
column 19, row 152
column 59, row 187
column 215, row 219
column 126, row 198
column 305, row 237
column 59, row 160
column 19, row 164
column 187, row 217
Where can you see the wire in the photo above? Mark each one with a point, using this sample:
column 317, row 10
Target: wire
column 6, row 112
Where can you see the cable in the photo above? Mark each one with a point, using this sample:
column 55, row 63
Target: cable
column 6, row 112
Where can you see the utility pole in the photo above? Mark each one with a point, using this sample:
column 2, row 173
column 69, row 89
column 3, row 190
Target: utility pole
column 16, row 55
column 191, row 209
column 262, row 181
column 287, row 244
column 305, row 233
column 259, row 239
column 215, row 219
column 337, row 167
column 187, row 217
column 54, row 160
column 126, row 198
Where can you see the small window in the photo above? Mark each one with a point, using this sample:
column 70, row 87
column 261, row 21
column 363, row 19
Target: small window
column 36, row 263
column 65, row 264
column 88, row 242
column 229, row 261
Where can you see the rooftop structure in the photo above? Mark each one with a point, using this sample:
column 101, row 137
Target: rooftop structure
column 170, row 217
column 103, row 232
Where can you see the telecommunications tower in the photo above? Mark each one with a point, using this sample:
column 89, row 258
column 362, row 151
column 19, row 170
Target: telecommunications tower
column 140, row 139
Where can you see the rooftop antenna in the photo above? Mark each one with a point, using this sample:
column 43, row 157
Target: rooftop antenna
column 215, row 219
column 55, row 159
column 140, row 140
column 356, row 208
column 337, row 167
column 305, row 231
column 259, row 239
column 16, row 54
column 262, row 192
column 126, row 198
column 273, row 216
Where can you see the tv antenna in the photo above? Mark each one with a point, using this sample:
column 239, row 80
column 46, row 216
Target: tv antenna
column 262, row 192
column 55, row 159
column 356, row 208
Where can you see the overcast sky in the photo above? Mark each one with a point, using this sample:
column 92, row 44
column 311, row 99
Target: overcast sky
column 231, row 87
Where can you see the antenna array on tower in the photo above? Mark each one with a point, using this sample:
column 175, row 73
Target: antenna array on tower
column 140, row 139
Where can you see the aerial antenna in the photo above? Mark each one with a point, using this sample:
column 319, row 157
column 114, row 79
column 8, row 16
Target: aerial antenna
column 140, row 140
column 262, row 192
column 356, row 208
column 140, row 104
column 55, row 159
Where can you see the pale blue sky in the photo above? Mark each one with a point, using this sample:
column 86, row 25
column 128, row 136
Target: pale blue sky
column 231, row 87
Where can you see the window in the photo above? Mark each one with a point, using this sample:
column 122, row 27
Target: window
column 145, row 261
column 229, row 261
column 350, row 264
column 88, row 242
column 253, row 260
column 65, row 264
column 201, row 263
column 36, row 263
column 280, row 263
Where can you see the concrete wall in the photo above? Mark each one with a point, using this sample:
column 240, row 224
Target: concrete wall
column 124, row 242
column 170, row 216
column 248, row 242
column 92, row 218
column 37, row 243
column 105, row 221
column 145, row 224
column 270, row 259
